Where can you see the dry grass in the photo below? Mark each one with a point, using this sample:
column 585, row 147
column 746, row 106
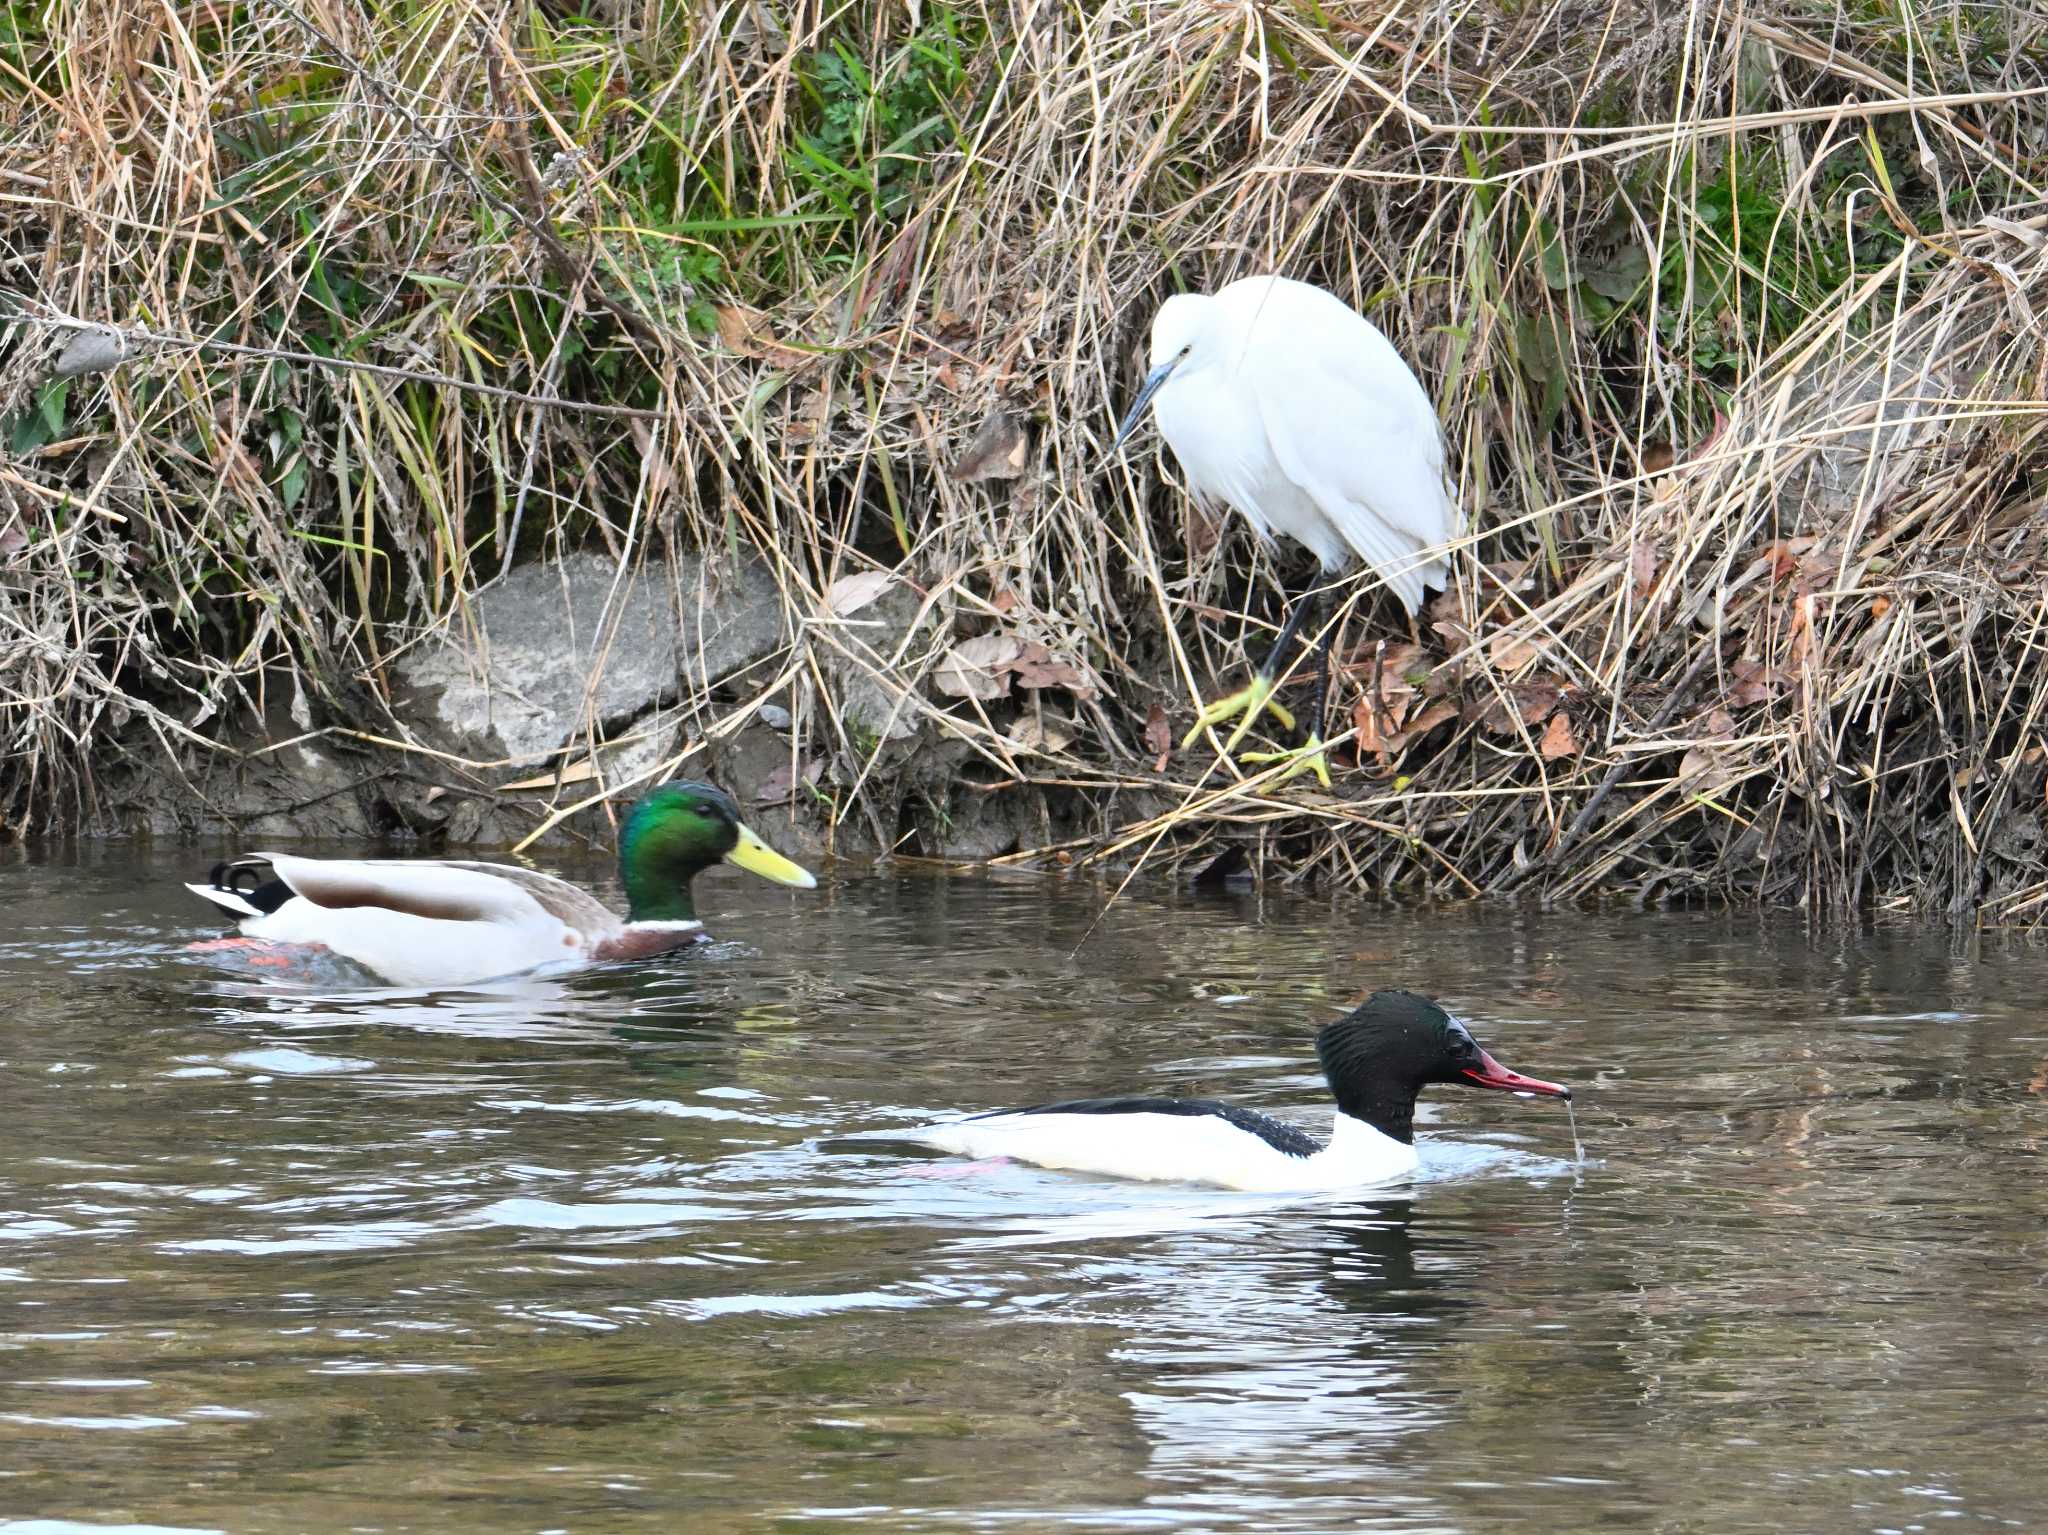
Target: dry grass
column 1733, row 318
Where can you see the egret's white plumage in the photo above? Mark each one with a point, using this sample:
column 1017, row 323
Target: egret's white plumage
column 1279, row 399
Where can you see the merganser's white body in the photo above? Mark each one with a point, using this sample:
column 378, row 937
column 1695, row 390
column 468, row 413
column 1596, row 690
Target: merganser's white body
column 1179, row 1148
column 1376, row 1060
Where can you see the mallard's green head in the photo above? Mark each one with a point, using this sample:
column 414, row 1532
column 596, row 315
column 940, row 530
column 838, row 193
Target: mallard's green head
column 676, row 833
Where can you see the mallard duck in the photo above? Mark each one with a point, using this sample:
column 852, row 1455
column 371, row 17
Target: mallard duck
column 450, row 922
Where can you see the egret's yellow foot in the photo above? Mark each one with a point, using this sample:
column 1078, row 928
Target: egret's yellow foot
column 1306, row 758
column 1247, row 701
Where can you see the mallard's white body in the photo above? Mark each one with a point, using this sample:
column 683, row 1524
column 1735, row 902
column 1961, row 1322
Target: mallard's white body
column 436, row 923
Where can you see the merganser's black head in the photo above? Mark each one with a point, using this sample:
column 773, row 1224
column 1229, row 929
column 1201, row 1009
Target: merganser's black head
column 1394, row 1045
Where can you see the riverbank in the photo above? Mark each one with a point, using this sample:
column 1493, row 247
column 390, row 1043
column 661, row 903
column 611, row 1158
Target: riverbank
column 728, row 394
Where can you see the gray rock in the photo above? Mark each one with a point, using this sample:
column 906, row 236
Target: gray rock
column 1881, row 391
column 875, row 639
column 554, row 650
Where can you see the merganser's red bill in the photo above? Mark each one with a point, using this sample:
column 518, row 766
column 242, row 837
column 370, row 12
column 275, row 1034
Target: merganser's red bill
column 1493, row 1074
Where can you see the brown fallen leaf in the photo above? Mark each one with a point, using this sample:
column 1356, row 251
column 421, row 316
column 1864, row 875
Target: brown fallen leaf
column 1510, row 652
column 1531, row 703
column 978, row 668
column 1705, row 769
column 1038, row 667
column 1004, row 601
column 997, row 451
column 849, row 594
column 1404, row 667
column 575, row 773
column 1800, row 644
column 1755, row 683
column 778, row 787
column 1042, row 733
column 1717, row 724
column 748, row 333
column 1558, row 740
column 810, row 417
column 1158, row 737
column 1400, row 730
column 1642, row 567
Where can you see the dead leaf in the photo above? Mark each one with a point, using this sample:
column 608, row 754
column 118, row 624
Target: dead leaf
column 1558, row 740
column 810, row 417
column 1456, row 635
column 1042, row 733
column 996, row 453
column 978, row 668
column 778, row 787
column 849, row 594
column 747, row 333
column 1642, row 567
column 1705, row 770
column 1717, row 724
column 1879, row 606
column 578, row 773
column 1800, row 644
column 1203, row 531
column 1037, row 667
column 1531, row 703
column 1158, row 737
column 1658, row 457
column 1004, row 601
column 1401, row 730
column 1756, row 683
column 1511, row 653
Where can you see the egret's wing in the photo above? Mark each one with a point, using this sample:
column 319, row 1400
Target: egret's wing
column 448, row 892
column 1349, row 423
column 1210, row 423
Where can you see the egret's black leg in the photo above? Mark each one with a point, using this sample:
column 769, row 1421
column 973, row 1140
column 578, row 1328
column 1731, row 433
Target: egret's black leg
column 1246, row 703
column 1307, row 604
column 1320, row 716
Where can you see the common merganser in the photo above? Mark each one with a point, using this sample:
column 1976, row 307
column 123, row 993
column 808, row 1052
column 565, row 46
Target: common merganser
column 1376, row 1060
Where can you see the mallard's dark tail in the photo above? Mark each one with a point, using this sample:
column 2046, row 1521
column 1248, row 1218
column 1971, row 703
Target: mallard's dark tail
column 237, row 887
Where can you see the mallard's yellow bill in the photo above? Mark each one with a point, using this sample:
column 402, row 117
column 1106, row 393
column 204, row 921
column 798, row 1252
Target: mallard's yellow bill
column 757, row 857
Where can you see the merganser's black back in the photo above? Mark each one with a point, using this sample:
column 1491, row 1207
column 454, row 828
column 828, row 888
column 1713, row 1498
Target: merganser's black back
column 1289, row 1139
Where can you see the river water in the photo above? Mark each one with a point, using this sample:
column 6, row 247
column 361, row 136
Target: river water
column 596, row 1253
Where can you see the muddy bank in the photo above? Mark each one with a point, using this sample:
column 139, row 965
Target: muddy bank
column 568, row 683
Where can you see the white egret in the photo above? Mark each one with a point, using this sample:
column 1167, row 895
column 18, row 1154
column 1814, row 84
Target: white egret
column 1282, row 401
